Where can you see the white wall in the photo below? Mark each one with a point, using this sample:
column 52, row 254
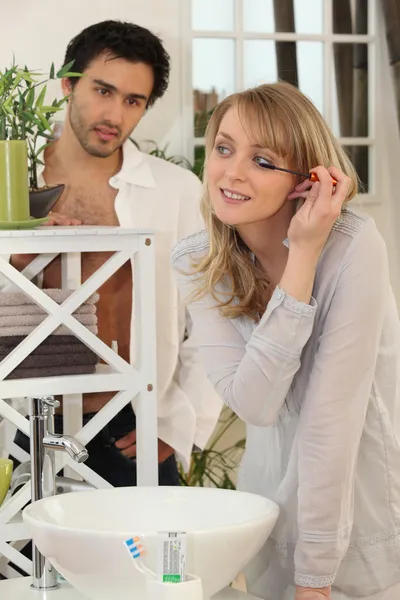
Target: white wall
column 38, row 33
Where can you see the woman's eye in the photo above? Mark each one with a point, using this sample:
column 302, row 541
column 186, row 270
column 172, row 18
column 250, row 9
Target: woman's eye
column 263, row 162
column 222, row 149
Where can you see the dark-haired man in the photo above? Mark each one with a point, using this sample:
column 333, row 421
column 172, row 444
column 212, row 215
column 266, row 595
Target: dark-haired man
column 109, row 182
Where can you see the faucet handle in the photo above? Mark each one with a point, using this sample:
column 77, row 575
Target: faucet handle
column 42, row 405
column 49, row 404
column 50, row 401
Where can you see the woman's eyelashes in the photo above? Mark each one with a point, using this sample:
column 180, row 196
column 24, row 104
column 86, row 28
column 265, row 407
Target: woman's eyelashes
column 223, row 150
column 260, row 161
column 263, row 162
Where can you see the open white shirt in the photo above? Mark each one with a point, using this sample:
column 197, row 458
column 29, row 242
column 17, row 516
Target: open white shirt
column 318, row 386
column 156, row 194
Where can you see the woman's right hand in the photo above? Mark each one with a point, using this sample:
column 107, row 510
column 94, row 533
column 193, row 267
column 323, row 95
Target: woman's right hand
column 311, row 225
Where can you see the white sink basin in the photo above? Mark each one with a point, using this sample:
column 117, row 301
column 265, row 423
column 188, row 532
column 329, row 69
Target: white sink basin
column 83, row 534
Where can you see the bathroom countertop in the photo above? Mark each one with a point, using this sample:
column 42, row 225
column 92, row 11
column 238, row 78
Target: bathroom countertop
column 19, row 589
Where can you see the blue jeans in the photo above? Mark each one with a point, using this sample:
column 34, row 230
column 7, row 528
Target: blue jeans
column 107, row 460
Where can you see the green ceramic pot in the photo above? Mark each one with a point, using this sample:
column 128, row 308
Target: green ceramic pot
column 6, row 469
column 14, row 185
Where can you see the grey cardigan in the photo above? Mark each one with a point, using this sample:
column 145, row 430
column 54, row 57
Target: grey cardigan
column 319, row 388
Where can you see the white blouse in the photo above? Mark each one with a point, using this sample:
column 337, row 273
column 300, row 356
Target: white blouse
column 318, row 387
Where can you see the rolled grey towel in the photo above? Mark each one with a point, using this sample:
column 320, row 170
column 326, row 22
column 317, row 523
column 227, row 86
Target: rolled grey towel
column 34, row 309
column 54, row 360
column 59, row 296
column 22, row 373
column 22, row 320
column 27, row 329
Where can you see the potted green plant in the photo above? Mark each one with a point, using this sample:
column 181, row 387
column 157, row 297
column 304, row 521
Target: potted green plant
column 25, row 129
column 217, row 464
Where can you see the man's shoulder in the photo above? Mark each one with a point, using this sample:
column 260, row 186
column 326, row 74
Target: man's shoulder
column 165, row 169
column 195, row 244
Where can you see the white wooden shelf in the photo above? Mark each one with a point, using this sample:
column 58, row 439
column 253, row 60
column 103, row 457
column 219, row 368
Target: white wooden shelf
column 131, row 384
column 69, row 239
column 15, row 529
column 105, row 379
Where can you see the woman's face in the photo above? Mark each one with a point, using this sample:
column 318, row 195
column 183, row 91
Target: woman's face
column 242, row 189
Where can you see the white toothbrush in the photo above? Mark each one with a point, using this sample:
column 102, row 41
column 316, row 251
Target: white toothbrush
column 136, row 551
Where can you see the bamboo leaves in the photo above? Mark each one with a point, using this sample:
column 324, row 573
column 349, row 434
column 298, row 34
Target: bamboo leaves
column 64, row 72
column 24, row 112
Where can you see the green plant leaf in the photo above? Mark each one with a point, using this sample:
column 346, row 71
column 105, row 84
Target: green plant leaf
column 215, row 467
column 134, row 143
column 45, row 124
column 30, row 98
column 40, row 98
column 60, row 103
column 7, row 106
column 29, row 76
column 46, row 136
column 21, row 103
column 51, row 109
column 64, row 70
column 17, row 79
column 40, row 150
column 72, row 74
column 52, row 71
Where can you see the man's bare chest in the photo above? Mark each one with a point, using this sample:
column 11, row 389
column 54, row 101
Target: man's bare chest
column 94, row 205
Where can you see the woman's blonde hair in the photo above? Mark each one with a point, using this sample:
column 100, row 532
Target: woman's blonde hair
column 279, row 117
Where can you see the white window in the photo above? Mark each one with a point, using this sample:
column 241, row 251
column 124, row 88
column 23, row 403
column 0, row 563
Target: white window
column 326, row 47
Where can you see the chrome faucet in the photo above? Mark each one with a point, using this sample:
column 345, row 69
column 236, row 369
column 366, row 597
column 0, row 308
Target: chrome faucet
column 67, row 443
column 43, row 480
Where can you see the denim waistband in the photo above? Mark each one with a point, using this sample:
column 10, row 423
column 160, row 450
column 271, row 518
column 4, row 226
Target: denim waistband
column 123, row 423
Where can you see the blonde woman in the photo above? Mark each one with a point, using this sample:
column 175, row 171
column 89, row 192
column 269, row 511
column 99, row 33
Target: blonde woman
column 293, row 312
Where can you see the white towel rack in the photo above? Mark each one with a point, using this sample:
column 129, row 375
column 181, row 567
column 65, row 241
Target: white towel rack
column 131, row 384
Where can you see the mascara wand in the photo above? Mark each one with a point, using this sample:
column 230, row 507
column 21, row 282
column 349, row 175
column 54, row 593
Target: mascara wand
column 311, row 176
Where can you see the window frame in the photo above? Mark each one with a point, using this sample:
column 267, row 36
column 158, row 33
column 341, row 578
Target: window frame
column 328, row 38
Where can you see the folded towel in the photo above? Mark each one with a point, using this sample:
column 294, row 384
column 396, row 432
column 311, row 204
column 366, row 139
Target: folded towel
column 34, row 309
column 11, row 341
column 52, row 360
column 22, row 373
column 51, row 349
column 25, row 330
column 22, row 320
column 59, row 296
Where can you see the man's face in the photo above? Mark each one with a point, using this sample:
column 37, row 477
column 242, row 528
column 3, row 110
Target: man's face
column 108, row 102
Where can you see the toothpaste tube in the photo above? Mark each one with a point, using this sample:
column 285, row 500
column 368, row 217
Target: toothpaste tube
column 171, row 557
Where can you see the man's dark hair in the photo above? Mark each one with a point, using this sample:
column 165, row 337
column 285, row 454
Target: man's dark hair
column 120, row 40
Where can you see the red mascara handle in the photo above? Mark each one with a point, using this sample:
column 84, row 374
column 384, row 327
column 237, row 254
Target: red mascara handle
column 314, row 177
